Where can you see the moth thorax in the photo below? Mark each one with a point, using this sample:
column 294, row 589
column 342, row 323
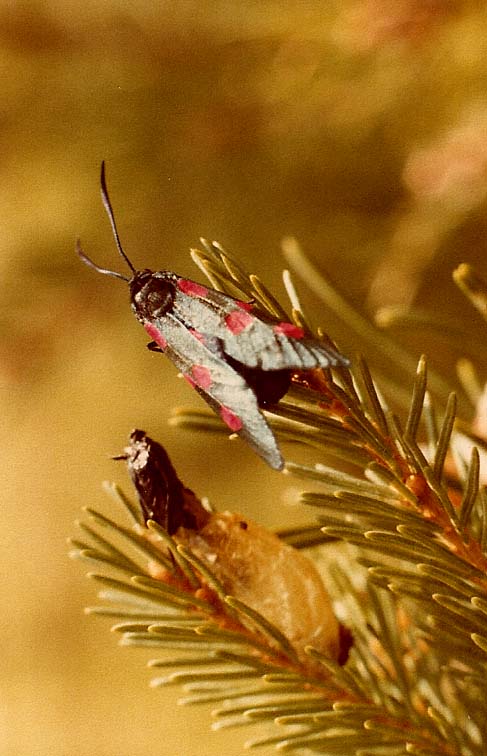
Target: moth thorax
column 152, row 297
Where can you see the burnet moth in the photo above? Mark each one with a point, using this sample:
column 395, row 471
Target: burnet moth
column 236, row 359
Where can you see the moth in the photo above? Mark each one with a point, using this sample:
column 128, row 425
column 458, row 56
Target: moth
column 236, row 358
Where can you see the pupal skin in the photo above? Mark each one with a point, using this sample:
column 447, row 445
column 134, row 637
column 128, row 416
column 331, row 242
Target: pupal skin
column 162, row 496
column 275, row 579
column 253, row 564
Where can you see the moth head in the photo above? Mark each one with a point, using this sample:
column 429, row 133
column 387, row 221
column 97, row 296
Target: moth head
column 151, row 294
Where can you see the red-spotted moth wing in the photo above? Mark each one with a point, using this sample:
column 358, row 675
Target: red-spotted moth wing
column 199, row 357
column 251, row 338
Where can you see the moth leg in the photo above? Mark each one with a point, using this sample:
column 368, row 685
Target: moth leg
column 154, row 347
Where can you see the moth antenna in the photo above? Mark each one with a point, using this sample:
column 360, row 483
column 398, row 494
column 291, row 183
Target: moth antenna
column 111, row 216
column 84, row 257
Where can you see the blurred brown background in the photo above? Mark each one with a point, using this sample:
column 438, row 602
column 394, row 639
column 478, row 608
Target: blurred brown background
column 358, row 126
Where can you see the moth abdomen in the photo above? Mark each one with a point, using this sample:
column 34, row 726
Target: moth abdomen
column 268, row 386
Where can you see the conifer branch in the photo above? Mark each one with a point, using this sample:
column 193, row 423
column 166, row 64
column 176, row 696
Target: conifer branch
column 410, row 503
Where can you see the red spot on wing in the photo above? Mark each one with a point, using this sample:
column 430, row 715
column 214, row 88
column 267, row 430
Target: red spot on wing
column 189, row 380
column 155, row 335
column 192, row 288
column 289, row 329
column 237, row 321
column 248, row 306
column 202, row 376
column 231, row 419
